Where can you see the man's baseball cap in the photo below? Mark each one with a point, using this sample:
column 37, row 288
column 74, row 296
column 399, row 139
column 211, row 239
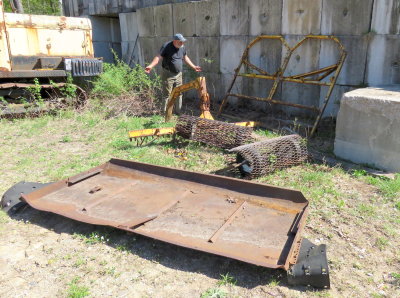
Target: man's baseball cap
column 179, row 37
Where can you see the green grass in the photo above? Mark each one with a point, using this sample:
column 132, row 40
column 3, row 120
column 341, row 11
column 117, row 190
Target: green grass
column 214, row 293
column 226, row 279
column 77, row 291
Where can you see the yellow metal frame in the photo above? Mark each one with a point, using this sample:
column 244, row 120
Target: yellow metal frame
column 198, row 84
column 278, row 77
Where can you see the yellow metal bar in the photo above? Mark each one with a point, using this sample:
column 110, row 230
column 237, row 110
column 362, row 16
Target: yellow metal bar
column 285, row 79
column 151, row 132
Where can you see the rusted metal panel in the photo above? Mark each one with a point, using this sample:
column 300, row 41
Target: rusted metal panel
column 247, row 221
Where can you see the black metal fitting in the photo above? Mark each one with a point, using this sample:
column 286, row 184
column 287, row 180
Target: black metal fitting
column 312, row 266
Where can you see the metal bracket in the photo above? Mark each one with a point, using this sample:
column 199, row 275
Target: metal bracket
column 312, row 266
column 11, row 200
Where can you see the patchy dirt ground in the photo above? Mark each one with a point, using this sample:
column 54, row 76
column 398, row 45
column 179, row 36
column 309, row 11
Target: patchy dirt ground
column 46, row 255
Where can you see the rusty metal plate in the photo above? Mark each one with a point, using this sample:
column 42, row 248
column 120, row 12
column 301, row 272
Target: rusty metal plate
column 247, row 221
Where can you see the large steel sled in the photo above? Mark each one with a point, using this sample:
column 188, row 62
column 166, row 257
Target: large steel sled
column 247, row 221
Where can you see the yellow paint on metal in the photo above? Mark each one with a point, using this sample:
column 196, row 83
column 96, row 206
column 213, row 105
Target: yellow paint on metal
column 151, row 132
column 5, row 63
column 39, row 35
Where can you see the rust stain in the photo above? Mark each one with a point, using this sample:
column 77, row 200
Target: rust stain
column 184, row 208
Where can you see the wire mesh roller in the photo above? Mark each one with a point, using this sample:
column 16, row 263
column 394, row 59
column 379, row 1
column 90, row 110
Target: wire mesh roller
column 216, row 133
column 260, row 158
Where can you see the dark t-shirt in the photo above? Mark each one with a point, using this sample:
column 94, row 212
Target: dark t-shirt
column 172, row 57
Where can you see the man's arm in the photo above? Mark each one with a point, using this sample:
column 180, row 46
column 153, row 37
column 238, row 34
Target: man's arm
column 190, row 63
column 153, row 63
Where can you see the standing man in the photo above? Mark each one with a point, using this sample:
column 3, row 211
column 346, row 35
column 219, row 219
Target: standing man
column 172, row 53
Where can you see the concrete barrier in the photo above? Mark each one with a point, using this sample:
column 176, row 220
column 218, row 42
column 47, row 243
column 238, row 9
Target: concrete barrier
column 386, row 17
column 234, row 17
column 184, row 19
column 368, row 127
column 207, row 18
column 163, row 21
column 265, row 17
column 301, row 17
column 344, row 17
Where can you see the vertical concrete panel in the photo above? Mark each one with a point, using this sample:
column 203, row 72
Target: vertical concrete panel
column 354, row 67
column 333, row 106
column 305, row 58
column 163, row 20
column 208, row 53
column 237, row 87
column 129, row 27
column 266, row 54
column 184, row 19
column 192, row 45
column 344, row 17
column 301, row 17
column 234, row 17
column 383, row 66
column 145, row 19
column 207, row 18
column 231, row 52
column 265, row 17
column 214, row 87
column 386, row 17
column 148, row 48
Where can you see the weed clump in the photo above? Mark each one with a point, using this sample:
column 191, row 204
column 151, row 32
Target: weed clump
column 122, row 90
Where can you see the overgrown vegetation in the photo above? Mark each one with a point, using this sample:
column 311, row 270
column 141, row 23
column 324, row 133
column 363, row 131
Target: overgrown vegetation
column 122, row 90
column 40, row 7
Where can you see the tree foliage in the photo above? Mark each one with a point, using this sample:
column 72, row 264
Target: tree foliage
column 40, row 7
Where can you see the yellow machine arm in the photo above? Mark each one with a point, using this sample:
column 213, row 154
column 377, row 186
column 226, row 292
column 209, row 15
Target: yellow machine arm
column 200, row 85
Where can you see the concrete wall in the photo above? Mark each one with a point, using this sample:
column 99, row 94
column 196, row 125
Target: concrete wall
column 106, row 37
column 219, row 30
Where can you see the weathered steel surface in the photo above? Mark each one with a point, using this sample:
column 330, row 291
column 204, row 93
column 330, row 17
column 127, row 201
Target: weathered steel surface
column 251, row 222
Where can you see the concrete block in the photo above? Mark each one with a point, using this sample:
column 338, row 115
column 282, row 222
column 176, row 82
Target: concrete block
column 208, row 53
column 145, row 20
column 234, row 17
column 383, row 66
column 236, row 89
column 368, row 127
column 149, row 48
column 344, row 17
column 103, row 49
column 106, row 29
column 129, row 27
column 130, row 52
column 184, row 19
column 265, row 17
column 266, row 54
column 163, row 20
column 192, row 45
column 300, row 94
column 305, row 58
column 231, row 51
column 332, row 108
column 214, row 83
column 301, row 17
column 207, row 18
column 354, row 67
column 386, row 17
